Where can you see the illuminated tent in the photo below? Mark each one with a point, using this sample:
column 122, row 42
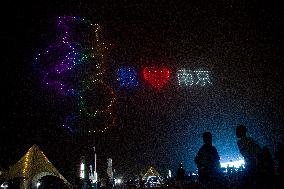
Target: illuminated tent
column 148, row 177
column 152, row 172
column 33, row 166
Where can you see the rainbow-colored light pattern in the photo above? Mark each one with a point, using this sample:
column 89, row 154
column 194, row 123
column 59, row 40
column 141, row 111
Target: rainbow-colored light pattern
column 78, row 56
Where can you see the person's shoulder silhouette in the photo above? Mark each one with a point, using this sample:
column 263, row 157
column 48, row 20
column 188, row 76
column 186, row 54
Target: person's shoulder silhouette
column 248, row 147
column 279, row 157
column 207, row 159
column 252, row 153
column 207, row 155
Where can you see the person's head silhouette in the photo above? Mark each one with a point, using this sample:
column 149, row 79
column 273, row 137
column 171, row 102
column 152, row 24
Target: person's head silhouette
column 241, row 131
column 207, row 138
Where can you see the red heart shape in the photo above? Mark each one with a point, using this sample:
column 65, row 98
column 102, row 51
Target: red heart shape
column 157, row 77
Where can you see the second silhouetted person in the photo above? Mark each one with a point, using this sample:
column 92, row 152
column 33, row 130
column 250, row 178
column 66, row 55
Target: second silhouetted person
column 207, row 160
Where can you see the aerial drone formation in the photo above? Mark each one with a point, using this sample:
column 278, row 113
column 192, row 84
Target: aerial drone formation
column 74, row 66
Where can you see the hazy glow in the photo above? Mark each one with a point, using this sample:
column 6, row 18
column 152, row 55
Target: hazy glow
column 117, row 181
column 38, row 184
column 235, row 164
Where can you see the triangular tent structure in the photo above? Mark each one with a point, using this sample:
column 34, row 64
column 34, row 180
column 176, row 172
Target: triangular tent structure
column 33, row 166
column 152, row 172
column 148, row 176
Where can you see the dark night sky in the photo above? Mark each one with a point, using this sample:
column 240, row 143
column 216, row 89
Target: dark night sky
column 240, row 42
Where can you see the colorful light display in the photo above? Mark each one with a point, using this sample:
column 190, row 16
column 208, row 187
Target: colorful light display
column 157, row 77
column 74, row 65
column 127, row 77
column 90, row 87
column 60, row 63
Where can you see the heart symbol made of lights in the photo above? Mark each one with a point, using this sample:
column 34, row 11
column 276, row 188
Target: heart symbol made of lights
column 157, row 77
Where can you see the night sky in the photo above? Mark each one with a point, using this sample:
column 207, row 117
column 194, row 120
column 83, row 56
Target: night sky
column 239, row 42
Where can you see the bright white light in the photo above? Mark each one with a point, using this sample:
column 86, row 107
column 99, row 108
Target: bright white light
column 4, row 185
column 117, row 181
column 235, row 164
column 94, row 177
column 37, row 184
column 82, row 171
column 170, row 174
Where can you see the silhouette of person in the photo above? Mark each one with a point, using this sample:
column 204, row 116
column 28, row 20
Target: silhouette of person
column 180, row 175
column 141, row 182
column 279, row 157
column 207, row 160
column 266, row 166
column 180, row 172
column 251, row 152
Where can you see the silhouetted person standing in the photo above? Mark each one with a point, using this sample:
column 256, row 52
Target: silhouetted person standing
column 141, row 182
column 251, row 152
column 279, row 157
column 266, row 166
column 180, row 176
column 207, row 160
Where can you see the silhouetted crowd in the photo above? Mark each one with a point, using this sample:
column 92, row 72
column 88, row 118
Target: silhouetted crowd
column 260, row 171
